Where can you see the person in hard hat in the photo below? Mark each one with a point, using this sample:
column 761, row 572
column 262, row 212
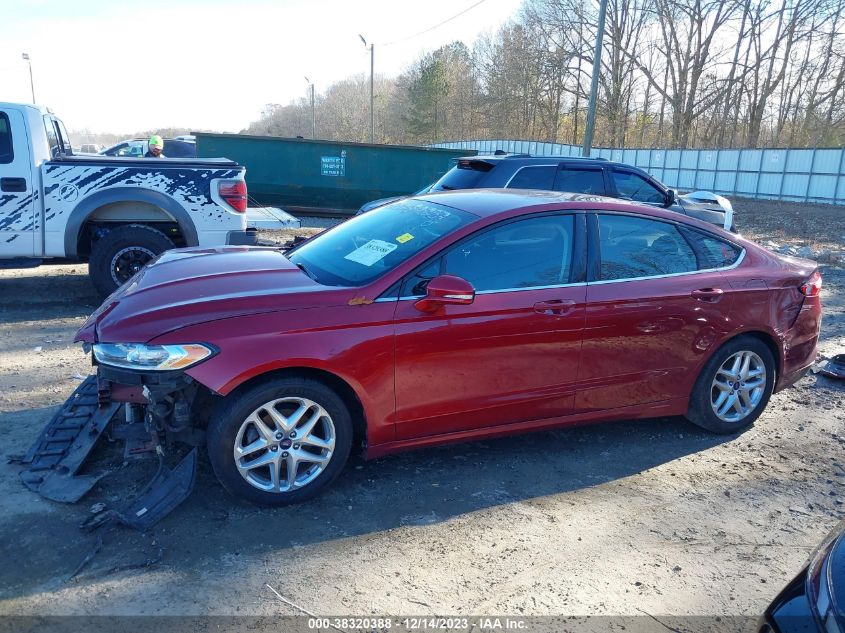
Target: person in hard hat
column 156, row 147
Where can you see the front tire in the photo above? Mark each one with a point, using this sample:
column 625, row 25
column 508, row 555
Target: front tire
column 734, row 386
column 280, row 442
column 122, row 252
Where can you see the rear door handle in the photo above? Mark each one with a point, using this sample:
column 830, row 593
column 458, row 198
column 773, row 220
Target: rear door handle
column 556, row 307
column 13, row 185
column 708, row 295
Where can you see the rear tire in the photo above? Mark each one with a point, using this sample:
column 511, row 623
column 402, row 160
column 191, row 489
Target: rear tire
column 266, row 427
column 122, row 252
column 734, row 386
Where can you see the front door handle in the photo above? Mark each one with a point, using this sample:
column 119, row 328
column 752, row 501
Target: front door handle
column 708, row 295
column 13, row 185
column 556, row 307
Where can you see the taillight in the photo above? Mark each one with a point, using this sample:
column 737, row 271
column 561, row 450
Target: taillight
column 813, row 286
column 233, row 193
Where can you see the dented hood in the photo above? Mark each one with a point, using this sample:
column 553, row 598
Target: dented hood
column 187, row 286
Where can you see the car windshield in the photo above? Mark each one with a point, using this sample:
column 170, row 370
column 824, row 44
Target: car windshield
column 367, row 246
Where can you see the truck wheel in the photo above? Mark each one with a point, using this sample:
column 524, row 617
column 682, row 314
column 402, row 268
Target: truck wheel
column 280, row 442
column 121, row 253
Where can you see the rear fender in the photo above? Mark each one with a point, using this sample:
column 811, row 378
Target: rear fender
column 88, row 207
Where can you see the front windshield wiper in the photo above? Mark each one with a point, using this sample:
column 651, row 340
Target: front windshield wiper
column 301, row 267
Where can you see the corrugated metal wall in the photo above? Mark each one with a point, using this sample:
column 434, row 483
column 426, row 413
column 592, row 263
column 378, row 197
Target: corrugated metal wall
column 807, row 175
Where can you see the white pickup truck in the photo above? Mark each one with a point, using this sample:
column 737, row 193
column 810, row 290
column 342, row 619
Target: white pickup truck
column 114, row 213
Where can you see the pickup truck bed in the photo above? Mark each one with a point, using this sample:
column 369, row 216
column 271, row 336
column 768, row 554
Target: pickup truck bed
column 116, row 213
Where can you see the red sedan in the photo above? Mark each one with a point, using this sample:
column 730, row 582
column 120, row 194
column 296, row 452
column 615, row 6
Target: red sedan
column 451, row 317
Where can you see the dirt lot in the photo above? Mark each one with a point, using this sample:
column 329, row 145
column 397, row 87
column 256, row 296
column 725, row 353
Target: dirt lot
column 648, row 518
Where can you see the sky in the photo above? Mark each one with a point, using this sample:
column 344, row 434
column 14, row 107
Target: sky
column 131, row 65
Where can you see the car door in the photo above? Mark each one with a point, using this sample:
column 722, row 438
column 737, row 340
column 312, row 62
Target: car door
column 510, row 356
column 18, row 189
column 653, row 309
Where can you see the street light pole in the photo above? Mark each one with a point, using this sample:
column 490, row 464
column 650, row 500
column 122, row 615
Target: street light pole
column 313, row 112
column 372, row 109
column 25, row 56
column 594, row 86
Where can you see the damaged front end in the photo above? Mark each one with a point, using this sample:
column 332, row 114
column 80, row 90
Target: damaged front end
column 157, row 414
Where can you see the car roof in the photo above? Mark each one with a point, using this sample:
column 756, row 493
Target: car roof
column 28, row 106
column 490, row 202
column 529, row 158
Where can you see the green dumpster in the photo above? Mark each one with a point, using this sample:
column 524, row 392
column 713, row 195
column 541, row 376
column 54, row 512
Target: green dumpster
column 327, row 176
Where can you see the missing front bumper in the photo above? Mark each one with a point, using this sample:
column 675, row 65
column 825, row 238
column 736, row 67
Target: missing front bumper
column 55, row 461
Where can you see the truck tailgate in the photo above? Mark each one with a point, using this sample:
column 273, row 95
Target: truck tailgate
column 270, row 218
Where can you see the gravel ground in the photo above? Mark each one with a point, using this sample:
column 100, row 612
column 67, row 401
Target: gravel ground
column 649, row 518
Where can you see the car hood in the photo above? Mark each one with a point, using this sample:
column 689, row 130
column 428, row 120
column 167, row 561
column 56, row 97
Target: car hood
column 187, row 286
column 689, row 203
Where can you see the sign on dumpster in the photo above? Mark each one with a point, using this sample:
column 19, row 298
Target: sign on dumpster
column 333, row 165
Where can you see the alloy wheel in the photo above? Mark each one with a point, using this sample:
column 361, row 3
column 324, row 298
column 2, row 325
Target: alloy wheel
column 284, row 444
column 738, row 387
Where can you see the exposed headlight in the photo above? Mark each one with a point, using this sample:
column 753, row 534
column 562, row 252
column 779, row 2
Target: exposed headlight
column 151, row 357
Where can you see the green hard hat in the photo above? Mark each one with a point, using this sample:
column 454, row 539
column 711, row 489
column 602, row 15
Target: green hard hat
column 156, row 141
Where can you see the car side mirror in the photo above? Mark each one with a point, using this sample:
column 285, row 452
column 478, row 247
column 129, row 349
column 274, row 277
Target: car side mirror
column 671, row 197
column 446, row 290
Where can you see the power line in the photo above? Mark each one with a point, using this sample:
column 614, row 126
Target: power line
column 436, row 26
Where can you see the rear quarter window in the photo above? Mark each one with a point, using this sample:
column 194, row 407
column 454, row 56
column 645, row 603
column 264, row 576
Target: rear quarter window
column 7, row 154
column 711, row 251
column 539, row 177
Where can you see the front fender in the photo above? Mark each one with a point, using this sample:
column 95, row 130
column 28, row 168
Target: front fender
column 352, row 343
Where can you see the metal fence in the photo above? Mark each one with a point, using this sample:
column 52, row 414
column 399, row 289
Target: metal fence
column 806, row 175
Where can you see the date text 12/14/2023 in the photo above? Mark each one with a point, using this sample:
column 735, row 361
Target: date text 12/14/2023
column 418, row 623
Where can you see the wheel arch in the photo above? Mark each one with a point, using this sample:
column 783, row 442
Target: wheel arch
column 768, row 338
column 97, row 203
column 338, row 384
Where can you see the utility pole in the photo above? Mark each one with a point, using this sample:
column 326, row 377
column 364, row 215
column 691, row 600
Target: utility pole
column 594, row 86
column 372, row 108
column 25, row 56
column 313, row 112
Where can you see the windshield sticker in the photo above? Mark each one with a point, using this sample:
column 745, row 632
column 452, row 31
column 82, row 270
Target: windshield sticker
column 405, row 237
column 371, row 252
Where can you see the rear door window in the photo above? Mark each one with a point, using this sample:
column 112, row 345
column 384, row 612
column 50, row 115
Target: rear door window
column 7, row 153
column 631, row 186
column 534, row 177
column 632, row 247
column 52, row 137
column 579, row 180
column 64, row 138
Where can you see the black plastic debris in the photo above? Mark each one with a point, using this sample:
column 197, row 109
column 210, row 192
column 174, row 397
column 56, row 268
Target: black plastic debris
column 57, row 455
column 833, row 367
